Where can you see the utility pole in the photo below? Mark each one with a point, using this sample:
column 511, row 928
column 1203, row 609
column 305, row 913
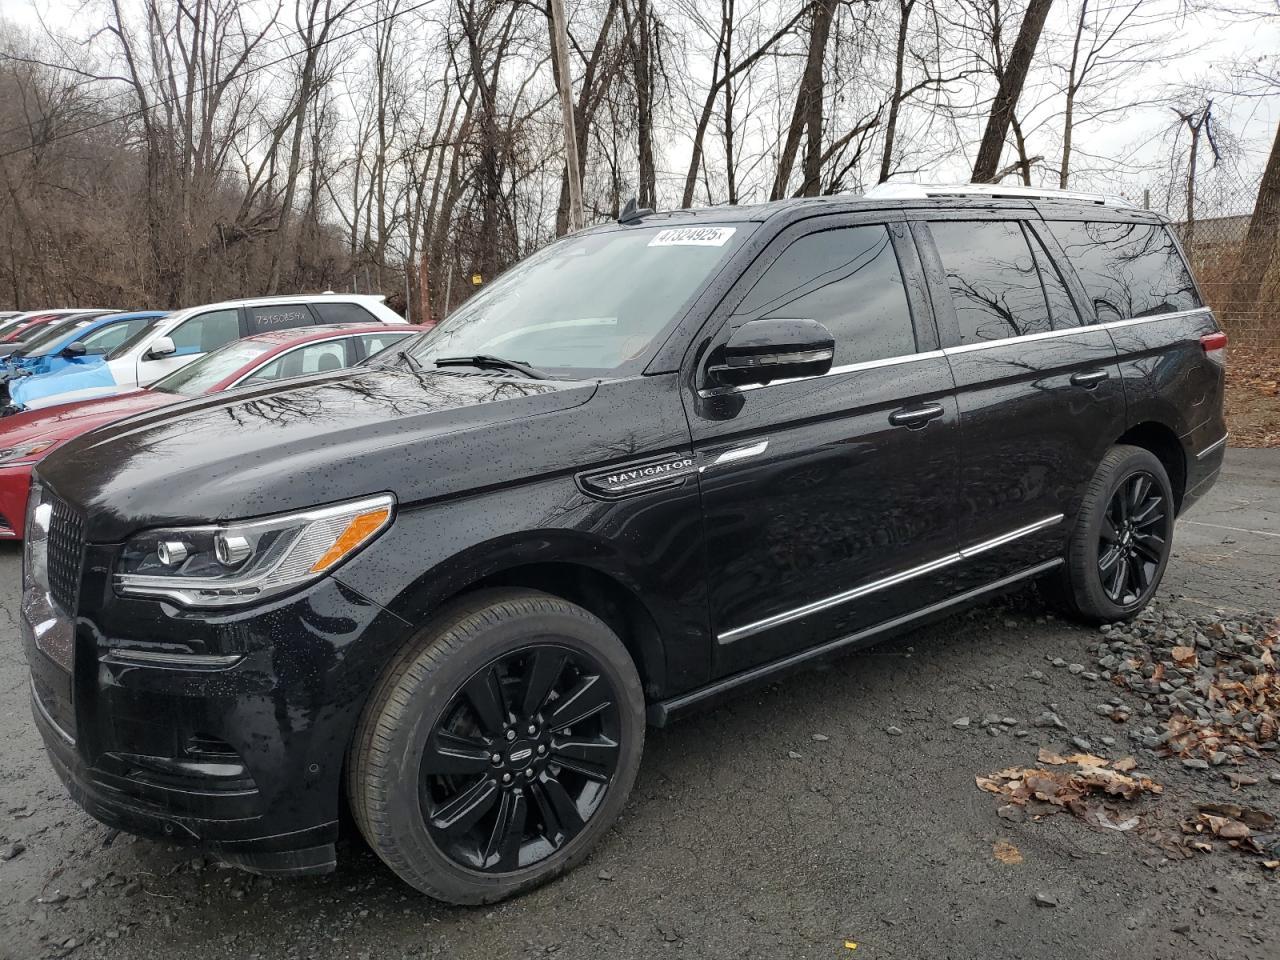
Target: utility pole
column 560, row 53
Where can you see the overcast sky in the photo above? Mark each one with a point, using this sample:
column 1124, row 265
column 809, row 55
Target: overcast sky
column 1134, row 149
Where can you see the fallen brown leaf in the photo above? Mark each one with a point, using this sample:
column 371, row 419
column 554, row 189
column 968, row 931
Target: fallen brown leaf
column 1006, row 853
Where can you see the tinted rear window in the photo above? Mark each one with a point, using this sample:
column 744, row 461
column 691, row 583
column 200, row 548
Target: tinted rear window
column 343, row 313
column 279, row 317
column 995, row 286
column 1129, row 270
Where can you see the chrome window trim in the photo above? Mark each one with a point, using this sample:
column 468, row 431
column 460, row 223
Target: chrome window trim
column 817, row 606
column 1052, row 334
column 1025, row 338
column 960, row 348
column 1176, row 315
column 1212, row 447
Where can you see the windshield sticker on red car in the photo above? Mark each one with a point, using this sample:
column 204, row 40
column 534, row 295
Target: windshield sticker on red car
column 693, row 237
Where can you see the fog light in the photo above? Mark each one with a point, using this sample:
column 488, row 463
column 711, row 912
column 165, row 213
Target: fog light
column 172, row 552
column 231, row 549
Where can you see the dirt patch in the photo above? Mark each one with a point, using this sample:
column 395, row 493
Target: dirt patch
column 1253, row 396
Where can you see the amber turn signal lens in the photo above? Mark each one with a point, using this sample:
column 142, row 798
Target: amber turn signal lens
column 361, row 527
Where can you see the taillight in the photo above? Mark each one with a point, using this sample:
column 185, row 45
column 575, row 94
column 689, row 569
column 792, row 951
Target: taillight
column 1215, row 347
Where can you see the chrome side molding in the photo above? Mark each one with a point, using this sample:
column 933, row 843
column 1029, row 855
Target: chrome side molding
column 738, row 453
column 661, row 712
column 817, row 606
column 1212, row 447
column 985, row 545
column 181, row 661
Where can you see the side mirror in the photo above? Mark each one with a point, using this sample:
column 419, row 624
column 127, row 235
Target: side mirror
column 761, row 351
column 73, row 350
column 161, row 347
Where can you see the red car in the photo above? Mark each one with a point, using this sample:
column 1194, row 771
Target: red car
column 26, row 438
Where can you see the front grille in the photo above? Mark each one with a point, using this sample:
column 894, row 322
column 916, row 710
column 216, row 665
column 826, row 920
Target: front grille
column 66, row 553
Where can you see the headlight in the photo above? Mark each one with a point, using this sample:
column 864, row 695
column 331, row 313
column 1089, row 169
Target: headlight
column 27, row 449
column 243, row 562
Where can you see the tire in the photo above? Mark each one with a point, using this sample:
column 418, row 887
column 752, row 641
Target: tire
column 457, row 690
column 1085, row 586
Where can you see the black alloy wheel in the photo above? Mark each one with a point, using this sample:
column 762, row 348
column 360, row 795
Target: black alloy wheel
column 1119, row 542
column 520, row 759
column 498, row 747
column 1133, row 538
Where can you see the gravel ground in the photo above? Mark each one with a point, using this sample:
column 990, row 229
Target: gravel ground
column 838, row 807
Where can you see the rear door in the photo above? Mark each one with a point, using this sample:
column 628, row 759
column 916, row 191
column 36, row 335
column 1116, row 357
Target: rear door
column 1138, row 285
column 829, row 501
column 1039, row 391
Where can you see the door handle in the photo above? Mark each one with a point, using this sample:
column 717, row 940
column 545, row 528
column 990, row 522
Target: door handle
column 1089, row 378
column 916, row 417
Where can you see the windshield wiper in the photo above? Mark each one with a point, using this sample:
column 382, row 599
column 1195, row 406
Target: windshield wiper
column 485, row 361
column 413, row 362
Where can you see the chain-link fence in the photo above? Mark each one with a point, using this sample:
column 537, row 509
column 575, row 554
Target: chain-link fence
column 1244, row 292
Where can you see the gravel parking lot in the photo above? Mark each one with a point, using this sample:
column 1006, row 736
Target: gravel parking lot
column 833, row 814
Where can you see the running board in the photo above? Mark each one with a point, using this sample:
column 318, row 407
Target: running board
column 660, row 713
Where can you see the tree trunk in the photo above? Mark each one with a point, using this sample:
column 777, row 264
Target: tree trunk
column 1259, row 252
column 807, row 114
column 1069, row 112
column 639, row 39
column 730, row 171
column 1006, row 101
column 895, row 101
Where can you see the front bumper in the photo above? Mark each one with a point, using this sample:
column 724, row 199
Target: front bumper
column 226, row 731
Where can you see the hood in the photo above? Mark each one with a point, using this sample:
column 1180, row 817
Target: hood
column 85, row 377
column 67, row 420
column 290, row 445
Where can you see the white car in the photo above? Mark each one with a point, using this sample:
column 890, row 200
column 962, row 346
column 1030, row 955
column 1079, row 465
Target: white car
column 176, row 340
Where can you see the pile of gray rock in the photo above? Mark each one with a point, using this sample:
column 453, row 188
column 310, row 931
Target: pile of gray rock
column 1208, row 688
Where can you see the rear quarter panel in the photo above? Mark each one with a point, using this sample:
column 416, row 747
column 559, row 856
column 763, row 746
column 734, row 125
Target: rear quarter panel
column 1168, row 379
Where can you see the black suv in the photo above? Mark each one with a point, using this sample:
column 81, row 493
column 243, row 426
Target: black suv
column 655, row 462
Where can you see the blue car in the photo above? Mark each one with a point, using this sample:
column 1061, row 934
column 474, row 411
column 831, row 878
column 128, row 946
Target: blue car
column 78, row 346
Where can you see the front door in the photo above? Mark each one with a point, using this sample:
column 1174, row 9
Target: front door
column 828, row 501
column 192, row 338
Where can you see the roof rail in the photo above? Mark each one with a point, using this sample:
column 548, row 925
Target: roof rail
column 931, row 191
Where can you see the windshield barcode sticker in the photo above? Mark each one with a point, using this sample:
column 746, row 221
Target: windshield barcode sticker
column 693, row 237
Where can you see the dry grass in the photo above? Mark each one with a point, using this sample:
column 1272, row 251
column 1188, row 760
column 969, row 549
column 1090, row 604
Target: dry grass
column 1253, row 396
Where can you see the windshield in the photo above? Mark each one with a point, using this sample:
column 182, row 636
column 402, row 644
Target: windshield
column 51, row 333
column 586, row 305
column 199, row 375
column 10, row 325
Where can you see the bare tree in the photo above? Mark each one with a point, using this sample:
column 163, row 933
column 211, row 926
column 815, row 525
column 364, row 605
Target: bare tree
column 1012, row 78
column 719, row 77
